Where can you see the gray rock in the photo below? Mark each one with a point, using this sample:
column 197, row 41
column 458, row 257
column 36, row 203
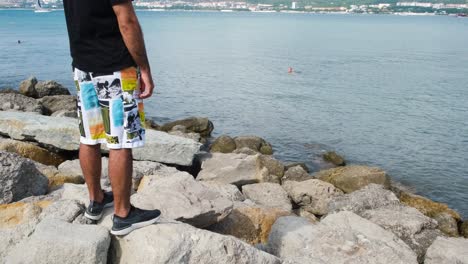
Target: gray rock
column 334, row 158
column 165, row 148
column 223, row 144
column 312, row 195
column 289, row 165
column 229, row 191
column 193, row 136
column 296, row 173
column 65, row 210
column 56, row 103
column 56, row 241
column 268, row 194
column 305, row 214
column 200, row 125
column 70, row 191
column 19, row 102
column 344, row 238
column 447, row 224
column 19, row 178
column 448, row 250
column 59, row 132
column 352, row 178
column 65, row 113
column 255, row 143
column 422, row 241
column 371, row 197
column 45, row 88
column 464, row 229
column 271, row 169
column 245, row 150
column 27, row 87
column 180, row 243
column 180, row 197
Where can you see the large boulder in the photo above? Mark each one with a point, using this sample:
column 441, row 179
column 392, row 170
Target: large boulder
column 266, row 194
column 352, row 178
column 229, row 191
column 56, row 103
column 56, row 241
column 296, row 173
column 334, row 158
column 447, row 224
column 223, row 144
column 343, row 237
column 181, row 243
column 312, row 195
column 448, row 250
column 19, row 178
column 464, row 229
column 370, row 197
column 251, row 224
column 45, row 88
column 27, row 87
column 19, row 102
column 240, row 169
column 255, row 143
column 180, row 197
column 30, row 151
column 58, row 132
column 414, row 228
column 427, row 206
column 200, row 125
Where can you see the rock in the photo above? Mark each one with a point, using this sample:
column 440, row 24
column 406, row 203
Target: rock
column 193, row 136
column 352, row 178
column 59, row 132
column 229, row 191
column 46, row 88
column 448, row 250
column 181, row 197
column 246, row 151
column 334, row 158
column 31, row 151
column 305, row 214
column 27, row 87
column 410, row 225
column 289, row 165
column 19, row 102
column 464, row 229
column 70, row 191
column 56, row 103
column 151, row 124
column 72, row 169
column 252, row 224
column 255, row 143
column 14, row 214
column 270, row 195
column 182, row 243
column 344, row 238
column 240, row 169
column 56, row 241
column 65, row 210
column 19, row 178
column 370, row 197
column 296, row 173
column 223, row 144
column 426, row 206
column 200, row 125
column 8, row 90
column 447, row 224
column 165, row 148
column 312, row 195
column 65, row 113
column 271, row 169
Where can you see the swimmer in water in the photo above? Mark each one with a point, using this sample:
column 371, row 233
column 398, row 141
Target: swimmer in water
column 290, row 70
column 19, row 41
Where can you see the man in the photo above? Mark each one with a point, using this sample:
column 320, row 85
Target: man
column 112, row 76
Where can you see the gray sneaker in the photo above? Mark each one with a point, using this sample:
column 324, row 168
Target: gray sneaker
column 95, row 209
column 136, row 218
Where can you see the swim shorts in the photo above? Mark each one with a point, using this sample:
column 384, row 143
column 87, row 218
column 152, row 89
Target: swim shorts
column 109, row 110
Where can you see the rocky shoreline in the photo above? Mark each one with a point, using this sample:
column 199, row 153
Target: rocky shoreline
column 224, row 200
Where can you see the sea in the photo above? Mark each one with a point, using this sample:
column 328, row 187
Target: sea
column 382, row 90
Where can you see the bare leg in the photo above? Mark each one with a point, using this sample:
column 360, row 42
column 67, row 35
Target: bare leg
column 90, row 161
column 120, row 171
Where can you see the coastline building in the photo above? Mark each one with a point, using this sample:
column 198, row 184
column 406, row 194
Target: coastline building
column 293, row 5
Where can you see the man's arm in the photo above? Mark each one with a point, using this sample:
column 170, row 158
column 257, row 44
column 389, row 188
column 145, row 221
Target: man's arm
column 133, row 38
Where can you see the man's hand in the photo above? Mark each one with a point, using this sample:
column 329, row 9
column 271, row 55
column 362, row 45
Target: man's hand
column 133, row 38
column 146, row 84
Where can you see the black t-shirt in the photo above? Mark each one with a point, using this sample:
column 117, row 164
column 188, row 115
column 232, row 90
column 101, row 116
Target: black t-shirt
column 96, row 44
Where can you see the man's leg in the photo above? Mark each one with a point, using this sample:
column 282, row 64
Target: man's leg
column 90, row 161
column 120, row 171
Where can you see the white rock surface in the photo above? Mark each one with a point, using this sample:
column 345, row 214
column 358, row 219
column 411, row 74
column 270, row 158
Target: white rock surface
column 179, row 196
column 448, row 251
column 268, row 194
column 312, row 195
column 342, row 237
column 56, row 241
column 183, row 244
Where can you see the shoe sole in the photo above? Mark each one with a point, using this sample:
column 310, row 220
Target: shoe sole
column 99, row 216
column 133, row 227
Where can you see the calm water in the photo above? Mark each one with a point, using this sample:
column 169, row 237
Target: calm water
column 389, row 91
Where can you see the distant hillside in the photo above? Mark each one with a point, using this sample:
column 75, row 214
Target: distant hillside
column 346, row 3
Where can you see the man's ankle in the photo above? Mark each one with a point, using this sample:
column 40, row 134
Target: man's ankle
column 98, row 196
column 122, row 213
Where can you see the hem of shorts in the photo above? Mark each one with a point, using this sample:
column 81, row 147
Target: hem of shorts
column 87, row 141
